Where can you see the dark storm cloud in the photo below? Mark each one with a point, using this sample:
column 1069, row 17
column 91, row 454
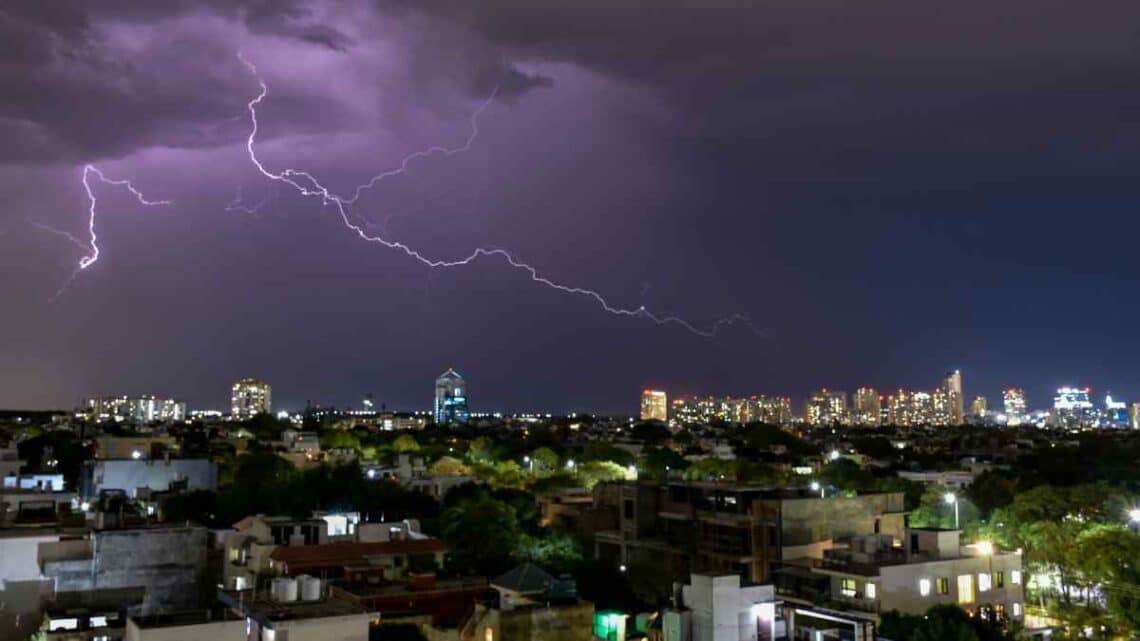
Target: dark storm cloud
column 93, row 79
column 865, row 78
column 74, row 92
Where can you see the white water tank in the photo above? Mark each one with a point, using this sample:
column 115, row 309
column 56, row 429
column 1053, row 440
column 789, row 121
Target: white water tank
column 284, row 589
column 310, row 587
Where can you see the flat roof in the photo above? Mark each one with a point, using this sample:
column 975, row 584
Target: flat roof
column 260, row 607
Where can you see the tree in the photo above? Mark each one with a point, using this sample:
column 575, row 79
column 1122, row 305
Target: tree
column 405, row 443
column 543, row 461
column 591, row 473
column 483, row 534
column 991, row 490
column 479, row 451
column 449, row 466
column 711, row 469
column 556, row 551
column 940, row 623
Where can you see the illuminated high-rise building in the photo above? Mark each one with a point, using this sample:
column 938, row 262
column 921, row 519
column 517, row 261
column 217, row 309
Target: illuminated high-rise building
column 1072, row 408
column 978, row 407
column 249, row 397
column 137, row 409
column 654, row 405
column 1134, row 416
column 450, row 399
column 754, row 409
column 955, row 403
column 1013, row 402
column 826, row 407
column 866, row 408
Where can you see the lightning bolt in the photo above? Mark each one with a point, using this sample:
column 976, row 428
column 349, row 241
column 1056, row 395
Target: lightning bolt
column 92, row 244
column 88, row 171
column 307, row 185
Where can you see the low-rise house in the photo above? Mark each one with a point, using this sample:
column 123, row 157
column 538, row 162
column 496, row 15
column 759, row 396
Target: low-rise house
column 530, row 605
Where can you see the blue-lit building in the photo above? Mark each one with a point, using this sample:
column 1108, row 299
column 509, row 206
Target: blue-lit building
column 450, row 399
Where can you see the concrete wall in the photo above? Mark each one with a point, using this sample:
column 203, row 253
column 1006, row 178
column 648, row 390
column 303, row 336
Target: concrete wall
column 212, row 631
column 810, row 520
column 129, row 475
column 22, row 587
column 342, row 628
column 170, row 563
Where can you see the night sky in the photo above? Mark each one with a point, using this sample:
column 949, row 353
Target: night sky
column 889, row 189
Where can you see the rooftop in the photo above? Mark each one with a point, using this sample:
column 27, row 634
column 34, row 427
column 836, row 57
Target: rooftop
column 258, row 605
column 299, row 557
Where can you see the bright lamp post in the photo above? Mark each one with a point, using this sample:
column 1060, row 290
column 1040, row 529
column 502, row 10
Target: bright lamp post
column 952, row 499
column 1134, row 519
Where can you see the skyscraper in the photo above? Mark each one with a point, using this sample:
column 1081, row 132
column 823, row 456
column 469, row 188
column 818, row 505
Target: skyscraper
column 450, row 399
column 826, row 407
column 248, row 397
column 1072, row 408
column 1013, row 401
column 1134, row 416
column 866, row 410
column 978, row 407
column 955, row 404
column 654, row 405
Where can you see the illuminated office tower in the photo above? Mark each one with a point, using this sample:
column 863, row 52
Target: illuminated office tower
column 826, row 407
column 1013, row 402
column 450, row 399
column 1134, row 416
column 955, row 404
column 866, row 407
column 1072, row 408
column 978, row 407
column 654, row 405
column 248, row 397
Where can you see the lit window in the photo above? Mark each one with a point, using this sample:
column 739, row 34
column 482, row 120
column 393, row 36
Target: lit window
column 871, row 590
column 1015, row 577
column 924, row 587
column 983, row 582
column 488, row 634
column 847, row 588
column 1016, row 607
column 943, row 585
column 999, row 580
column 965, row 588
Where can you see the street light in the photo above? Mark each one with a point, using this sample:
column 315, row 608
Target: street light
column 1134, row 519
column 951, row 499
column 816, row 487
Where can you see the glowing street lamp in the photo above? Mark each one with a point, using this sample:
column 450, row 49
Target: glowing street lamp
column 816, row 487
column 951, row 499
column 1134, row 519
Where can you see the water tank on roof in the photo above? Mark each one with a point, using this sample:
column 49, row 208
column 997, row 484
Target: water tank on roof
column 310, row 588
column 284, row 589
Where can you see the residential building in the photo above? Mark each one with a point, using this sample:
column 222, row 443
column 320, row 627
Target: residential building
column 134, row 409
column 450, row 399
column 826, row 407
column 927, row 567
column 654, row 405
column 261, row 545
column 866, row 409
column 954, row 479
column 773, row 410
column 249, row 397
column 720, row 607
column 135, row 447
column 696, row 527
